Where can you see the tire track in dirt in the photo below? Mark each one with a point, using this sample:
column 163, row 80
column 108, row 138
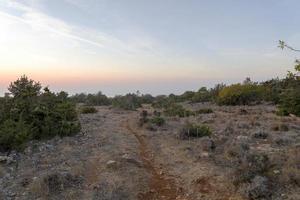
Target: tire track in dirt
column 161, row 187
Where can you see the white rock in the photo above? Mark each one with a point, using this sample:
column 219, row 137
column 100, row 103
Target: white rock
column 111, row 164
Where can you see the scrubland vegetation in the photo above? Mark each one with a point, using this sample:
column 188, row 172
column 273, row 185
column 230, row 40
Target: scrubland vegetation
column 238, row 141
column 28, row 113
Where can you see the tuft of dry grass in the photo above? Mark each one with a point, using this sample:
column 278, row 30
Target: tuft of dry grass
column 290, row 172
column 38, row 188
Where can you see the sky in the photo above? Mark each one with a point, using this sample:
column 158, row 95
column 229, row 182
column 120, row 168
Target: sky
column 157, row 46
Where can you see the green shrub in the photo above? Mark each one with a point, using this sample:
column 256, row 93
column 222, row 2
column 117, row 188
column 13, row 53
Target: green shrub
column 204, row 111
column 163, row 101
column 147, row 99
column 290, row 101
column 240, row 94
column 30, row 113
column 214, row 92
column 97, row 99
column 194, row 130
column 158, row 121
column 187, row 96
column 88, row 109
column 272, row 90
column 177, row 110
column 13, row 135
column 203, row 95
column 127, row 102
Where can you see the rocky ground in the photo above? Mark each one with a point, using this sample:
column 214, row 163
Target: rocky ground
column 115, row 159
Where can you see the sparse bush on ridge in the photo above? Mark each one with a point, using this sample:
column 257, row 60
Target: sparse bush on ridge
column 127, row 102
column 163, row 101
column 202, row 95
column 30, row 113
column 97, row 99
column 147, row 98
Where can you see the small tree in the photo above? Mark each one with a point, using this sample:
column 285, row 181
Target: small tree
column 24, row 88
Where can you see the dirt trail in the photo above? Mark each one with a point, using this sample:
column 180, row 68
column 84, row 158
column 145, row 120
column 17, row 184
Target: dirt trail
column 161, row 187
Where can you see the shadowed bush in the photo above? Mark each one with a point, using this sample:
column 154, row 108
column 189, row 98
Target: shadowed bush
column 290, row 102
column 88, row 109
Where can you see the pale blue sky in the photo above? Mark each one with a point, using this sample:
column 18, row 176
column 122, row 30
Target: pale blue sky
column 157, row 46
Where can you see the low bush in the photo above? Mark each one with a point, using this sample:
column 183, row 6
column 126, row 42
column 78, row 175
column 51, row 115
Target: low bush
column 191, row 130
column 202, row 95
column 272, row 90
column 177, row 110
column 289, row 102
column 88, row 109
column 163, row 101
column 127, row 102
column 29, row 113
column 240, row 94
column 158, row 121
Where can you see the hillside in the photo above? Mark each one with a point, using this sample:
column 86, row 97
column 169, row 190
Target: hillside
column 114, row 158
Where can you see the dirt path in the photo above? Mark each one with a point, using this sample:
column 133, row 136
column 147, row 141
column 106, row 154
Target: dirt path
column 161, row 186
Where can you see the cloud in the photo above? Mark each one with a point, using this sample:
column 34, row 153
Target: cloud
column 38, row 20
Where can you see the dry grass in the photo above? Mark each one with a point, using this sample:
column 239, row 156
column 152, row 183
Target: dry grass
column 38, row 188
column 290, row 172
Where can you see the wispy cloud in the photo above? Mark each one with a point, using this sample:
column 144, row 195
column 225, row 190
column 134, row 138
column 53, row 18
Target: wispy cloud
column 38, row 20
